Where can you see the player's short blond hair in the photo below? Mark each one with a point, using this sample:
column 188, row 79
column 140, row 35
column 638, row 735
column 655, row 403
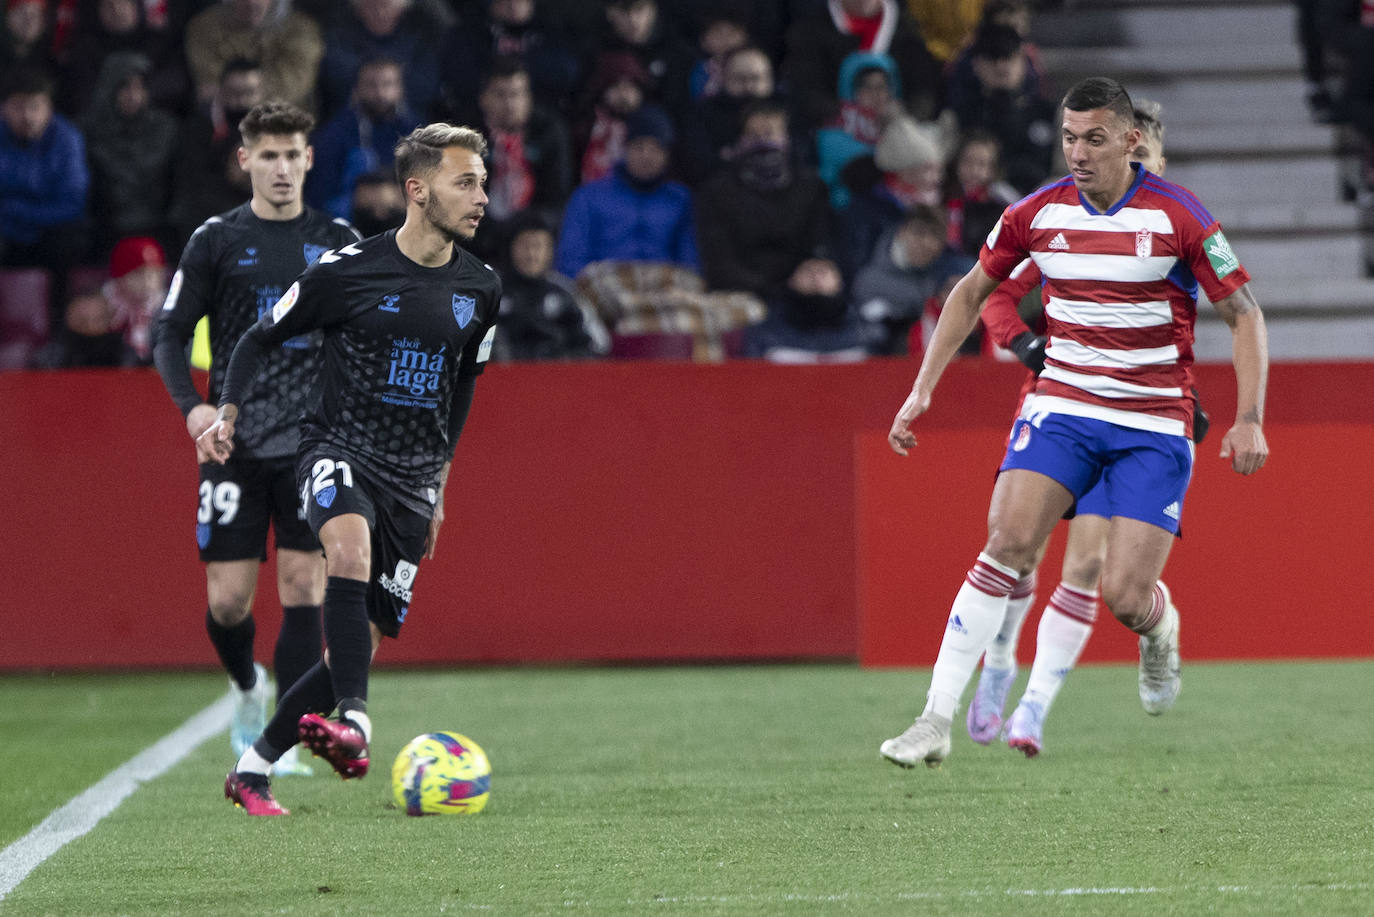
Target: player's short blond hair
column 420, row 152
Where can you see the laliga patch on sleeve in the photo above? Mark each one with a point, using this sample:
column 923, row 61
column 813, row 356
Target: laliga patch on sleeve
column 172, row 293
column 992, row 236
column 1224, row 261
column 484, row 348
column 287, row 300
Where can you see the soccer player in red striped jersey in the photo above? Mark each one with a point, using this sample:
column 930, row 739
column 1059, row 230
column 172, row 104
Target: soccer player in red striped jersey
column 1123, row 253
column 1067, row 621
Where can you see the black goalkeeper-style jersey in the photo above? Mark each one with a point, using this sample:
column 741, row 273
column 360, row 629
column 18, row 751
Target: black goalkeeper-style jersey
column 399, row 338
column 234, row 268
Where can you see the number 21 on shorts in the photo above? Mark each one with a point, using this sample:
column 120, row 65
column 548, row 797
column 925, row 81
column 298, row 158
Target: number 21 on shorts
column 322, row 478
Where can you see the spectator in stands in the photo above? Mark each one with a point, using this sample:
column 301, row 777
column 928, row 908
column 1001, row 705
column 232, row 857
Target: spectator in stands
column 1357, row 105
column 638, row 27
column 810, row 321
column 818, row 44
column 714, row 122
column 974, row 193
column 960, row 79
column 763, row 215
column 629, row 241
column 288, row 44
column 360, row 138
column 131, row 147
column 43, row 180
column 366, row 29
column 869, row 96
column 615, row 91
column 903, row 171
column 506, row 28
column 112, row 326
column 208, row 179
column 121, row 26
column 529, row 156
column 721, row 30
column 906, row 282
column 26, row 40
column 999, row 103
column 635, row 213
column 542, row 317
column 378, row 203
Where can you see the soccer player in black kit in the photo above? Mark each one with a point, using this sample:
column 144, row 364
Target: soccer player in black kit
column 236, row 265
column 408, row 318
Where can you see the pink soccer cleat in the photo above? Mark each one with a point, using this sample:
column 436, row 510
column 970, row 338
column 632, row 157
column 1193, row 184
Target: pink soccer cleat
column 252, row 794
column 337, row 741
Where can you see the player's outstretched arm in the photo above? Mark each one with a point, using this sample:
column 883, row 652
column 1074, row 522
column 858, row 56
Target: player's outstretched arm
column 957, row 321
column 1244, row 443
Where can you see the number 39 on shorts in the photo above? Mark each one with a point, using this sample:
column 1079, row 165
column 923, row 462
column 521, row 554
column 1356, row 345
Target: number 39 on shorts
column 222, row 498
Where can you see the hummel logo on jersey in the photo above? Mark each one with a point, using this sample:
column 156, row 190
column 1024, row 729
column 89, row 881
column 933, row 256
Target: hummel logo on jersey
column 1172, row 510
column 1059, row 243
column 389, row 303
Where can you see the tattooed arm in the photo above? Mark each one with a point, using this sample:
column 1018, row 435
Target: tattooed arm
column 1244, row 443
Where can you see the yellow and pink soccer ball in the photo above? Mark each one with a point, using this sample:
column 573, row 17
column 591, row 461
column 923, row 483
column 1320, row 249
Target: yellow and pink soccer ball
column 441, row 773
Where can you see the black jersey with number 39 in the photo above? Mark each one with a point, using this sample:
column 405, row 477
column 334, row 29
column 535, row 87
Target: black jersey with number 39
column 235, row 267
column 397, row 338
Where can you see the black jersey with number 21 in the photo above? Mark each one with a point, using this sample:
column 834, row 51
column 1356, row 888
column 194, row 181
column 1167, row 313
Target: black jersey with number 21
column 397, row 338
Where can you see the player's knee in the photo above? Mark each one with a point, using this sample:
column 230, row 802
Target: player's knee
column 1129, row 602
column 348, row 560
column 230, row 607
column 1013, row 550
column 1082, row 571
column 301, row 586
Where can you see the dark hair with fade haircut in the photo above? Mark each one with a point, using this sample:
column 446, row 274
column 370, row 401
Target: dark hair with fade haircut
column 276, row 118
column 421, row 151
column 772, row 107
column 1101, row 92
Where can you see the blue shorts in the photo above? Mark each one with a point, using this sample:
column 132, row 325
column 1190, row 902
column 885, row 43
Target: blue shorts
column 1111, row 470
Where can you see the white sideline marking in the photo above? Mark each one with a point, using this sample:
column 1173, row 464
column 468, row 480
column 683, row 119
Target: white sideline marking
column 79, row 816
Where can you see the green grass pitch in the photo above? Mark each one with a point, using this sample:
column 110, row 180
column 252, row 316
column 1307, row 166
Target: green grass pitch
column 730, row 790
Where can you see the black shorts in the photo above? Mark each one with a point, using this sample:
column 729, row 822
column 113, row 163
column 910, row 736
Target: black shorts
column 237, row 502
column 330, row 488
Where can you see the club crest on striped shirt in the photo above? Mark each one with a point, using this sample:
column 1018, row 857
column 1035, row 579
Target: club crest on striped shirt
column 1143, row 245
column 1022, row 438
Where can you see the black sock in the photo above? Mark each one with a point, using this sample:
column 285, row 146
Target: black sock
column 311, row 693
column 349, row 635
column 235, row 648
column 298, row 645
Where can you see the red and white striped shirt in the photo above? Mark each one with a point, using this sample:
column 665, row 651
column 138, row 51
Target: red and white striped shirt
column 1122, row 296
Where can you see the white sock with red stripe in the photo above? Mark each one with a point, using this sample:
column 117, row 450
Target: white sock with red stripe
column 978, row 611
column 1161, row 620
column 1001, row 653
column 1065, row 627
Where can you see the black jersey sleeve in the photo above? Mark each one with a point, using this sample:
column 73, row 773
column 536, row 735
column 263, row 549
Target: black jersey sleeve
column 301, row 309
column 477, row 350
column 188, row 300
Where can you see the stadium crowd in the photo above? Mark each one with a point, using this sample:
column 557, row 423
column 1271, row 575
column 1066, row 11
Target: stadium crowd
column 798, row 180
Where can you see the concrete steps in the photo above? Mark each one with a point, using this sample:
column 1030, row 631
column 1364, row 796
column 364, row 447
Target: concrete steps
column 1228, row 75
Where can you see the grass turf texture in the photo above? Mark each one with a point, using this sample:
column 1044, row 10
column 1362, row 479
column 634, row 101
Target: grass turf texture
column 727, row 790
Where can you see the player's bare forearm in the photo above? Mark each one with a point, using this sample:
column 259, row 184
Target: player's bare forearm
column 958, row 318
column 1244, row 443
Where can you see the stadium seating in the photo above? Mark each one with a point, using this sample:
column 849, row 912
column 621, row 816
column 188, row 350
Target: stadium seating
column 24, row 319
column 652, row 346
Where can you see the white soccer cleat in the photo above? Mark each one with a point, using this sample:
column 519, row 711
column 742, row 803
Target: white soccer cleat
column 250, row 711
column 985, row 712
column 1025, row 727
column 926, row 740
column 291, row 765
column 1160, row 670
